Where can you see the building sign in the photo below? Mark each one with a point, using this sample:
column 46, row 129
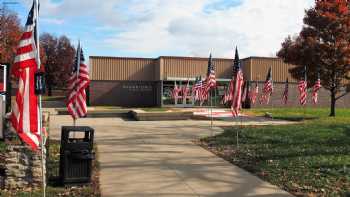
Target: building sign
column 138, row 88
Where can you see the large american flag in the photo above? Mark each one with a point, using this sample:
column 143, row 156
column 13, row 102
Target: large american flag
column 25, row 110
column 237, row 94
column 285, row 93
column 236, row 87
column 253, row 94
column 267, row 89
column 315, row 90
column 211, row 80
column 77, row 83
column 302, row 87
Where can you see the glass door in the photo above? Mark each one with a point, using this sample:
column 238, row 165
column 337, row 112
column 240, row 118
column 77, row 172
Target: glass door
column 184, row 99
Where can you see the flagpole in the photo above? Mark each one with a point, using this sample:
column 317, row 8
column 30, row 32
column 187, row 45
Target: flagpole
column 211, row 114
column 77, row 76
column 305, row 76
column 271, row 92
column 39, row 101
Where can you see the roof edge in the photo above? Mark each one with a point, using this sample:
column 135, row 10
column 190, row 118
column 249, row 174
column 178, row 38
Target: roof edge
column 183, row 57
column 260, row 57
column 118, row 57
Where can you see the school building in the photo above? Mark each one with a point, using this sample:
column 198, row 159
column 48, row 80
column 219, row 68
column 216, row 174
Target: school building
column 148, row 82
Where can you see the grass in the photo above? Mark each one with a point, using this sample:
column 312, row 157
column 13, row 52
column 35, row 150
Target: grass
column 311, row 158
column 298, row 113
column 54, row 189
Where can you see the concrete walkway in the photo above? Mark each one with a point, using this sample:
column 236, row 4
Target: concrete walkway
column 158, row 159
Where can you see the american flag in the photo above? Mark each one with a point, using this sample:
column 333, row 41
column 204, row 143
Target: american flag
column 302, row 86
column 224, row 99
column 204, row 95
column 245, row 91
column 210, row 81
column 236, row 87
column 285, row 93
column 77, row 83
column 267, row 89
column 197, row 89
column 253, row 94
column 194, row 88
column 175, row 92
column 230, row 89
column 185, row 90
column 25, row 110
column 315, row 90
column 237, row 94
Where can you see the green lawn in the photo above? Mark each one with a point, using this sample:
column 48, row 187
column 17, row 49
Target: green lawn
column 308, row 158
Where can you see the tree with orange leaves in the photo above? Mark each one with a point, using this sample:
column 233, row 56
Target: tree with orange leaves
column 10, row 34
column 323, row 45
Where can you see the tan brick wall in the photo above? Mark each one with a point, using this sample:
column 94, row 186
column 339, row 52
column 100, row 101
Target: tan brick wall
column 276, row 98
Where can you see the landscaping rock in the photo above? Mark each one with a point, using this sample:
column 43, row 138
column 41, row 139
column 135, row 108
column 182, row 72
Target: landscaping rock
column 22, row 165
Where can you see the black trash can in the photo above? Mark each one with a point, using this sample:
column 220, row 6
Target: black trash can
column 76, row 154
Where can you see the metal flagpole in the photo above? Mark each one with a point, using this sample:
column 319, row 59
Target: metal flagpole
column 39, row 100
column 76, row 87
column 211, row 114
column 305, row 78
column 270, row 97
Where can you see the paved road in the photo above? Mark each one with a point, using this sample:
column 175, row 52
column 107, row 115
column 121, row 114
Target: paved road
column 158, row 159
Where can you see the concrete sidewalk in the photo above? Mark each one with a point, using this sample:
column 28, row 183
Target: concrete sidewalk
column 159, row 159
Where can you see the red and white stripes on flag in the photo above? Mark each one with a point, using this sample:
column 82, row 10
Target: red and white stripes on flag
column 197, row 89
column 185, row 90
column 225, row 97
column 236, row 92
column 210, row 80
column 175, row 92
column 25, row 110
column 285, row 93
column 267, row 89
column 253, row 94
column 302, row 87
column 204, row 95
column 77, row 83
column 315, row 90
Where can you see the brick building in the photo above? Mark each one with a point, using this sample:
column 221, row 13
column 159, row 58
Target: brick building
column 144, row 82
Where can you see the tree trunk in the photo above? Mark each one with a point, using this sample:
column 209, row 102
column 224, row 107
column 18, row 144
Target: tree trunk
column 333, row 101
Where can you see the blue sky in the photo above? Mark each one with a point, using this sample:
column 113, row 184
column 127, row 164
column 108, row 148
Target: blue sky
column 152, row 28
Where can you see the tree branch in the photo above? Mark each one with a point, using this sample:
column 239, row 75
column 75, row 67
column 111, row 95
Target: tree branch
column 341, row 96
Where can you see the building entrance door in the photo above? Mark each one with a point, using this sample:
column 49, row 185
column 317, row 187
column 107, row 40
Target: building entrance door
column 182, row 101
